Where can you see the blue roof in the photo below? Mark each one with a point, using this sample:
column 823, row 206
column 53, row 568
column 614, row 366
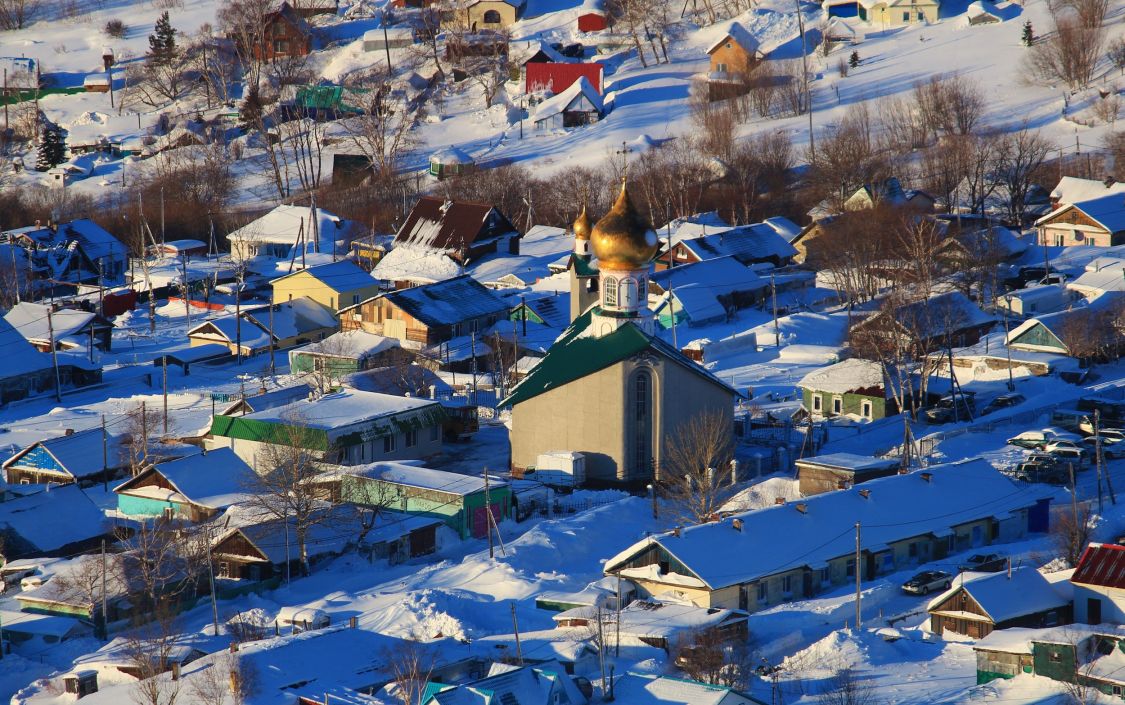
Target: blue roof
column 342, row 276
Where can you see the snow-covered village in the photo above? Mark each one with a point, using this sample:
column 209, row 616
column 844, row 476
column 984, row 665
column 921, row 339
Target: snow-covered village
column 562, row 352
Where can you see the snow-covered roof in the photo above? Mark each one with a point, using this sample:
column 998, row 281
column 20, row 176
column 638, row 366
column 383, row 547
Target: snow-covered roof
column 849, row 461
column 821, row 528
column 40, row 624
column 95, row 241
column 408, row 261
column 227, row 329
column 539, row 248
column 979, row 8
column 417, row 476
column 451, row 226
column 342, row 276
column 270, row 399
column 283, row 224
column 519, row 52
column 340, row 409
column 448, row 302
column 451, row 155
column 660, row 620
column 216, row 479
column 1072, row 189
column 392, row 33
column 1002, row 598
column 740, row 35
column 648, row 689
column 30, row 319
column 20, row 357
column 1094, row 283
column 846, row 376
column 755, row 242
column 357, row 344
column 1107, row 210
column 81, row 453
column 36, row 519
column 563, row 101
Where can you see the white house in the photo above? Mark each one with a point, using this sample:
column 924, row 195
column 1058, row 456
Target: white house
column 276, row 233
column 578, row 105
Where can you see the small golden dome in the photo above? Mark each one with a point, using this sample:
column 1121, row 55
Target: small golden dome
column 623, row 239
column 582, row 225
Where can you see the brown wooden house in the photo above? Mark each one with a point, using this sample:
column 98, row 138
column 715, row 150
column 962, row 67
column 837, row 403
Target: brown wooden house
column 463, row 230
column 429, row 314
column 284, row 33
column 1098, row 222
column 975, row 606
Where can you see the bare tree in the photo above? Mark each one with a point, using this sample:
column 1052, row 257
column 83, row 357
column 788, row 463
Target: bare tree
column 709, row 657
column 281, row 488
column 84, row 580
column 242, row 20
column 149, row 650
column 715, row 122
column 384, row 132
column 695, row 470
column 1071, row 532
column 413, row 666
column 15, row 14
column 845, row 688
column 304, row 141
column 1021, row 155
column 163, row 563
column 1116, row 54
column 142, row 424
column 1069, row 55
column 949, row 103
column 229, row 678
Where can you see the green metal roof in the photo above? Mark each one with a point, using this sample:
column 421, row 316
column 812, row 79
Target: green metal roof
column 574, row 356
column 327, row 98
column 267, row 432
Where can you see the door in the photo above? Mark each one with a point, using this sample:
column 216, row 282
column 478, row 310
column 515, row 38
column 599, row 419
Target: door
column 1093, row 610
column 394, row 328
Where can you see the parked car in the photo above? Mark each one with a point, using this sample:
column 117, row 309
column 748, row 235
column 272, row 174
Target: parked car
column 924, row 582
column 984, row 563
column 942, row 412
column 1053, row 278
column 1060, row 444
column 1042, row 468
column 1003, row 402
column 1036, row 440
column 1112, row 447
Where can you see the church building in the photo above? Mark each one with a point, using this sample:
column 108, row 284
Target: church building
column 609, row 388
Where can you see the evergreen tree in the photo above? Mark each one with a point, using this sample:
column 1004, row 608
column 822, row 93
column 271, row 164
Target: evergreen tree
column 1028, row 37
column 52, row 148
column 853, row 60
column 162, row 42
column 250, row 111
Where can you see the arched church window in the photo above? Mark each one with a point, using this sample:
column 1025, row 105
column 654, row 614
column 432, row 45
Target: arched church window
column 628, row 294
column 610, row 292
column 492, row 17
column 642, row 420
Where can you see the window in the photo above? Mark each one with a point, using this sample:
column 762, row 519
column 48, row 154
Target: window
column 224, row 569
column 610, row 292
column 849, row 568
column 865, row 409
column 817, row 405
column 492, row 17
column 627, row 297
column 912, row 550
column 1055, row 657
column 281, row 46
column 787, row 584
column 435, row 433
column 389, row 444
column 906, row 17
column 837, row 405
column 355, row 298
column 411, row 438
column 763, row 593
column 721, row 68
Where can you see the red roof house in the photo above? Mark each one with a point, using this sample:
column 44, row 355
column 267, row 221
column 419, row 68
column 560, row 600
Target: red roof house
column 593, row 17
column 1099, row 585
column 557, row 77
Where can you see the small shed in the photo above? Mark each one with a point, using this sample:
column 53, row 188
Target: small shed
column 592, row 16
column 383, row 38
column 976, row 606
column 837, row 471
column 578, row 105
column 96, row 83
column 182, row 248
column 451, row 162
column 981, row 12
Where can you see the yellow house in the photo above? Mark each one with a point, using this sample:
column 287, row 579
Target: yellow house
column 478, row 15
column 335, row 285
column 897, row 13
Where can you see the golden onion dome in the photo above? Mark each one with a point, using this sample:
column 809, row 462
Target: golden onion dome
column 582, row 225
column 623, row 239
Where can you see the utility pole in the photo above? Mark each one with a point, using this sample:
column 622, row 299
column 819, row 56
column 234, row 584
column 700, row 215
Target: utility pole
column 164, row 375
column 523, row 308
column 617, row 628
column 1098, row 455
column 601, row 647
column 805, row 71
column 105, row 614
column 161, row 215
column 516, row 631
column 187, row 289
column 5, row 100
column 386, row 45
column 271, row 339
column 144, row 432
column 54, row 355
column 652, row 491
column 858, row 573
column 488, row 509
column 776, row 328
column 101, row 288
column 1073, row 493
column 238, row 316
column 105, row 457
column 473, row 351
column 211, row 579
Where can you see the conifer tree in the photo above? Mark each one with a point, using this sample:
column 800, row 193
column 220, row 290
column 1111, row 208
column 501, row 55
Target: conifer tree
column 853, row 61
column 52, row 148
column 162, row 42
column 1028, row 37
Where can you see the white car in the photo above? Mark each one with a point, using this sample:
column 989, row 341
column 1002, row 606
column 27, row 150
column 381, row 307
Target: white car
column 1064, row 444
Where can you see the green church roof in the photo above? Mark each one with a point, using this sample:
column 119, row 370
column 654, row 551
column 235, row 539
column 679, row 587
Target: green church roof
column 574, row 356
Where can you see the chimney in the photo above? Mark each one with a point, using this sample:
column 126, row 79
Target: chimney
column 68, row 432
column 779, row 500
column 676, row 532
column 802, row 507
column 927, row 476
column 737, row 524
column 866, row 494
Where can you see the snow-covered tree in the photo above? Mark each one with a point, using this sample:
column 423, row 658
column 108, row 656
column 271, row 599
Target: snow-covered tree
column 52, row 148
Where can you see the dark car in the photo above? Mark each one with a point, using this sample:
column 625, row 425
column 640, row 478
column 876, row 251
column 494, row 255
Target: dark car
column 984, row 563
column 942, row 412
column 1042, row 468
column 926, row 581
column 573, row 51
column 1002, row 402
column 1025, row 276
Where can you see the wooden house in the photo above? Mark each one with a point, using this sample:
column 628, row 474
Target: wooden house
column 1095, row 222
column 664, row 625
column 493, row 15
column 705, row 291
column 347, row 427
column 781, row 553
column 27, row 371
column 86, row 457
column 735, row 54
column 839, row 471
column 1083, row 332
column 461, row 501
column 464, row 231
column 195, row 488
column 63, row 521
column 430, row 314
column 853, row 387
column 556, row 76
column 975, row 606
column 948, row 319
column 334, row 285
column 578, row 105
column 284, row 34
column 292, row 323
column 346, row 352
column 767, row 242
column 1086, row 656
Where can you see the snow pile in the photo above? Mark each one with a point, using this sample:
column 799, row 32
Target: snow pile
column 763, row 494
